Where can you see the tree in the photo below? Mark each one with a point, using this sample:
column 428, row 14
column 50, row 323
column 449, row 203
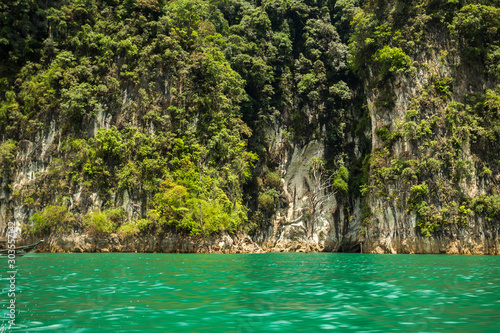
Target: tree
column 318, row 185
column 322, row 186
column 52, row 219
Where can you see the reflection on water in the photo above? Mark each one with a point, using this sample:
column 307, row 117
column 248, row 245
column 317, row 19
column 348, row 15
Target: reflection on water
column 280, row 292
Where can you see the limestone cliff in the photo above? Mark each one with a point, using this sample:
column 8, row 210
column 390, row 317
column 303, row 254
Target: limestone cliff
column 170, row 128
column 434, row 162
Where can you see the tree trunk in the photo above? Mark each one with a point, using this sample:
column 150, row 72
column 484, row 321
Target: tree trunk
column 201, row 212
column 310, row 227
column 307, row 243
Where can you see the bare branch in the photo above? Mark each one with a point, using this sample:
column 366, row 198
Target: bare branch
column 294, row 221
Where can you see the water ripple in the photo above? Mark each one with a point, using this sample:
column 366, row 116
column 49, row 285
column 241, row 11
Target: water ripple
column 256, row 293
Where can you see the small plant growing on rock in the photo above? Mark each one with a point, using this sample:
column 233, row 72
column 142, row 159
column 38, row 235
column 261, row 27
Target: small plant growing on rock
column 50, row 220
column 98, row 223
column 128, row 229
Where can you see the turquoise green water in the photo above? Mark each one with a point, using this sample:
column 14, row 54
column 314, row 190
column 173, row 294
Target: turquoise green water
column 278, row 292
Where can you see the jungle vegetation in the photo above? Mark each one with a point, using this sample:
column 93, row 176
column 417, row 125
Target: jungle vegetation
column 170, row 102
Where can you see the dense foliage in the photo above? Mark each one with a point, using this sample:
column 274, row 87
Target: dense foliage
column 156, row 71
column 438, row 160
column 157, row 99
column 170, row 105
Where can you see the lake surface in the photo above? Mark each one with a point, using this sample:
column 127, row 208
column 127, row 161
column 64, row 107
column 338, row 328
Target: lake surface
column 276, row 292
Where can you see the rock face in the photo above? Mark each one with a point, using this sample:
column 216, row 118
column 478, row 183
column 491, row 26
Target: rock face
column 429, row 169
column 332, row 230
column 425, row 187
column 434, row 245
column 168, row 243
column 390, row 229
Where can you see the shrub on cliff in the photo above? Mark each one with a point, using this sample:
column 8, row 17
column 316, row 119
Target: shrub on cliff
column 266, row 203
column 489, row 206
column 128, row 229
column 51, row 219
column 392, row 59
column 102, row 223
column 7, row 155
column 196, row 208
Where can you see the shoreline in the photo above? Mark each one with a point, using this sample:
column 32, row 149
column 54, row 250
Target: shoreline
column 243, row 244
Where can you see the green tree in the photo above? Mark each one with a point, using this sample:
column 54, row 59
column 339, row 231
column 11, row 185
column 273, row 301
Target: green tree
column 50, row 220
